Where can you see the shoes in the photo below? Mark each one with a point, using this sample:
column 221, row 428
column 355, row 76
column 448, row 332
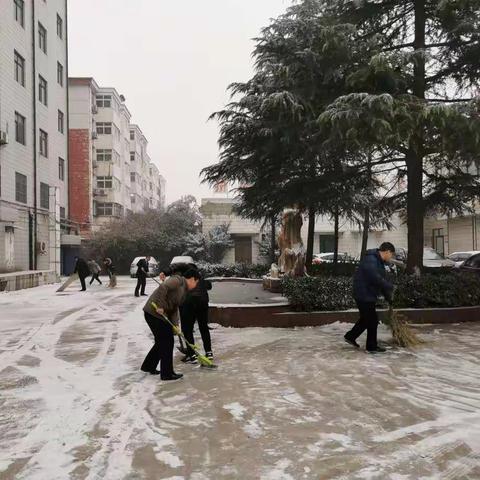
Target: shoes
column 173, row 376
column 351, row 342
column 377, row 350
column 151, row 372
column 192, row 359
column 137, row 295
column 83, row 290
column 209, row 355
column 144, row 295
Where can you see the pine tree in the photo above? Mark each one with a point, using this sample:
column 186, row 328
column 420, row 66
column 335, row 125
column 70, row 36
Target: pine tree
column 412, row 100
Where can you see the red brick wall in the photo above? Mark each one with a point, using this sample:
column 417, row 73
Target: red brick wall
column 79, row 178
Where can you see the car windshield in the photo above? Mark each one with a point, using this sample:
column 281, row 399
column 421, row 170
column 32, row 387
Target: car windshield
column 460, row 257
column 431, row 255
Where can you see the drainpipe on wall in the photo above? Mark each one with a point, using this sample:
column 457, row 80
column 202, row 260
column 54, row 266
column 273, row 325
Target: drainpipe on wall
column 34, row 90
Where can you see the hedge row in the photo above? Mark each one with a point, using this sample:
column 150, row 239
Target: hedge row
column 447, row 290
column 240, row 270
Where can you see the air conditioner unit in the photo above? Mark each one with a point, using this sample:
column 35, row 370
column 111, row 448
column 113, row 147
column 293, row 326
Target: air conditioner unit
column 94, row 134
column 42, row 248
column 98, row 192
column 3, row 137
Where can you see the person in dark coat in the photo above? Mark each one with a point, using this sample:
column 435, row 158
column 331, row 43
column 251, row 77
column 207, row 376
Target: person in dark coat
column 81, row 268
column 195, row 308
column 167, row 298
column 142, row 272
column 369, row 283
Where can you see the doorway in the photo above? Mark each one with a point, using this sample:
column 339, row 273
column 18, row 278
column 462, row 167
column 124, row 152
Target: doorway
column 243, row 249
column 438, row 241
column 9, row 248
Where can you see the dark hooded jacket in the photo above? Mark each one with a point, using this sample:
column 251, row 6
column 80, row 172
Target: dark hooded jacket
column 369, row 281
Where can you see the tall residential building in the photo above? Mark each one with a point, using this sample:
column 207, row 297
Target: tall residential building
column 33, row 139
column 110, row 171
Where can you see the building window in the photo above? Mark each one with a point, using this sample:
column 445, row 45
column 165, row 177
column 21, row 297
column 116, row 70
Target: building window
column 42, row 90
column 44, row 195
column 62, row 213
column 20, row 188
column 61, row 119
column 104, row 209
column 132, row 135
column 43, row 143
column 104, row 182
column 104, row 101
column 19, row 8
column 104, row 155
column 104, row 128
column 60, row 74
column 59, row 26
column 19, row 68
column 61, row 168
column 132, row 177
column 132, row 156
column 42, row 38
column 20, row 128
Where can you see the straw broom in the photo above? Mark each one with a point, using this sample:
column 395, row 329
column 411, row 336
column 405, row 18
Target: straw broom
column 403, row 335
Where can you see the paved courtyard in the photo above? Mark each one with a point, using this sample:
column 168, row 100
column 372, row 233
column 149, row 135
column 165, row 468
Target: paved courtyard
column 283, row 404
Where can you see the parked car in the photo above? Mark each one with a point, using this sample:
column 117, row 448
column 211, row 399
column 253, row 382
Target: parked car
column 153, row 269
column 182, row 263
column 460, row 257
column 471, row 264
column 328, row 257
column 431, row 258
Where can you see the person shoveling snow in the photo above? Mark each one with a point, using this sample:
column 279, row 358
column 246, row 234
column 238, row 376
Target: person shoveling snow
column 164, row 303
column 369, row 283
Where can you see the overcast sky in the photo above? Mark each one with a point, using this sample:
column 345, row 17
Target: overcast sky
column 172, row 59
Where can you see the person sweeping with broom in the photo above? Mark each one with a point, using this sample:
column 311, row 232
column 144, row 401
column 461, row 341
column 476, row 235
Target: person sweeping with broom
column 369, row 282
column 161, row 309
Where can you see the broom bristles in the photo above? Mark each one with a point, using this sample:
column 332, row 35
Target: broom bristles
column 403, row 335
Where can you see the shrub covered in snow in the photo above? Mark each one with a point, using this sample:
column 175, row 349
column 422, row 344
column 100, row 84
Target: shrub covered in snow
column 240, row 270
column 447, row 290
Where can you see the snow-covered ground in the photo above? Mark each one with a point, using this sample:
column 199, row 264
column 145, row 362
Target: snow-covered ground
column 283, row 404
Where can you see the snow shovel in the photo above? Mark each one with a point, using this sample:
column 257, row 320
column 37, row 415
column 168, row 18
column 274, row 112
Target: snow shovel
column 181, row 348
column 202, row 359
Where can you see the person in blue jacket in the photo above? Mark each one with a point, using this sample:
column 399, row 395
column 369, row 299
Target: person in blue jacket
column 369, row 283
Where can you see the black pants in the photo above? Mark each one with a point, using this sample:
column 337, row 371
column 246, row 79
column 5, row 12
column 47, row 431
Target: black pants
column 368, row 321
column 95, row 276
column 82, row 281
column 196, row 311
column 141, row 283
column 162, row 350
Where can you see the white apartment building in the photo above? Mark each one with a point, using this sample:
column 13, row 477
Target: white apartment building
column 110, row 167
column 33, row 138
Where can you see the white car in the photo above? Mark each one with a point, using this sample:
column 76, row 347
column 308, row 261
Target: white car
column 460, row 257
column 328, row 257
column 431, row 258
column 182, row 260
column 152, row 267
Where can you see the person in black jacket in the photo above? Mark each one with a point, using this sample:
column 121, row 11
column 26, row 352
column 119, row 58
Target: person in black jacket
column 369, row 283
column 81, row 268
column 195, row 308
column 142, row 272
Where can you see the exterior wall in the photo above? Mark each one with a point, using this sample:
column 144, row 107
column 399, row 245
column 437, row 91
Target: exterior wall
column 15, row 157
column 80, row 174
